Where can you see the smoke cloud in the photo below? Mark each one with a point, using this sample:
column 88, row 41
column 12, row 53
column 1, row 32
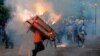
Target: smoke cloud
column 22, row 10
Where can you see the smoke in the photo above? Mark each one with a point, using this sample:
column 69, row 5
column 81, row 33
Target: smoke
column 22, row 10
column 16, row 28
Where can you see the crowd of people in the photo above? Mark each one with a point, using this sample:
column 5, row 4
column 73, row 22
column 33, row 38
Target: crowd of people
column 75, row 32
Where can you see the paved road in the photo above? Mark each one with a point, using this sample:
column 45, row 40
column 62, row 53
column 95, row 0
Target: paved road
column 66, row 51
column 71, row 51
column 92, row 49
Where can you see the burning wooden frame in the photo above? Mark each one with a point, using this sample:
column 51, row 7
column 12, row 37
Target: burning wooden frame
column 43, row 27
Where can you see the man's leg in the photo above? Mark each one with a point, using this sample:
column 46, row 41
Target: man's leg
column 82, row 41
column 34, row 52
column 78, row 41
column 38, row 47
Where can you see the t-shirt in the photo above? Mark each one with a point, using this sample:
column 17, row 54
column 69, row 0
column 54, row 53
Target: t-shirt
column 37, row 37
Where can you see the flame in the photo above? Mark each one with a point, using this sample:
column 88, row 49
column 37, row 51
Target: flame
column 62, row 45
column 40, row 8
column 56, row 18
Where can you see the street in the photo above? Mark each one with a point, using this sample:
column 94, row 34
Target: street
column 59, row 51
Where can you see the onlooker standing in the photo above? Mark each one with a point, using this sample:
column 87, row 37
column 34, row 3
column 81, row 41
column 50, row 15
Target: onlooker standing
column 70, row 33
column 81, row 35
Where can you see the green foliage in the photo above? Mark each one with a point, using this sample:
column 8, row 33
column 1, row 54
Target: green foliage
column 4, row 14
column 1, row 2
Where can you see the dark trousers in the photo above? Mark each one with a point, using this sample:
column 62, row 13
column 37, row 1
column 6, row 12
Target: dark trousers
column 80, row 39
column 6, row 40
column 38, row 47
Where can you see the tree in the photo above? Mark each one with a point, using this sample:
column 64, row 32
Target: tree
column 4, row 14
column 4, row 17
column 1, row 2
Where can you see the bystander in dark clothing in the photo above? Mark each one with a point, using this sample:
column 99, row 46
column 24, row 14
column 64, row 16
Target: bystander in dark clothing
column 81, row 36
column 70, row 33
column 5, row 39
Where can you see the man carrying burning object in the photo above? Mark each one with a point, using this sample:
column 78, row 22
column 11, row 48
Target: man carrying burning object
column 41, row 32
column 38, row 43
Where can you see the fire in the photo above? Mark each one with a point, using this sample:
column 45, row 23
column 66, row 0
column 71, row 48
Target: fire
column 56, row 18
column 62, row 45
column 40, row 8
